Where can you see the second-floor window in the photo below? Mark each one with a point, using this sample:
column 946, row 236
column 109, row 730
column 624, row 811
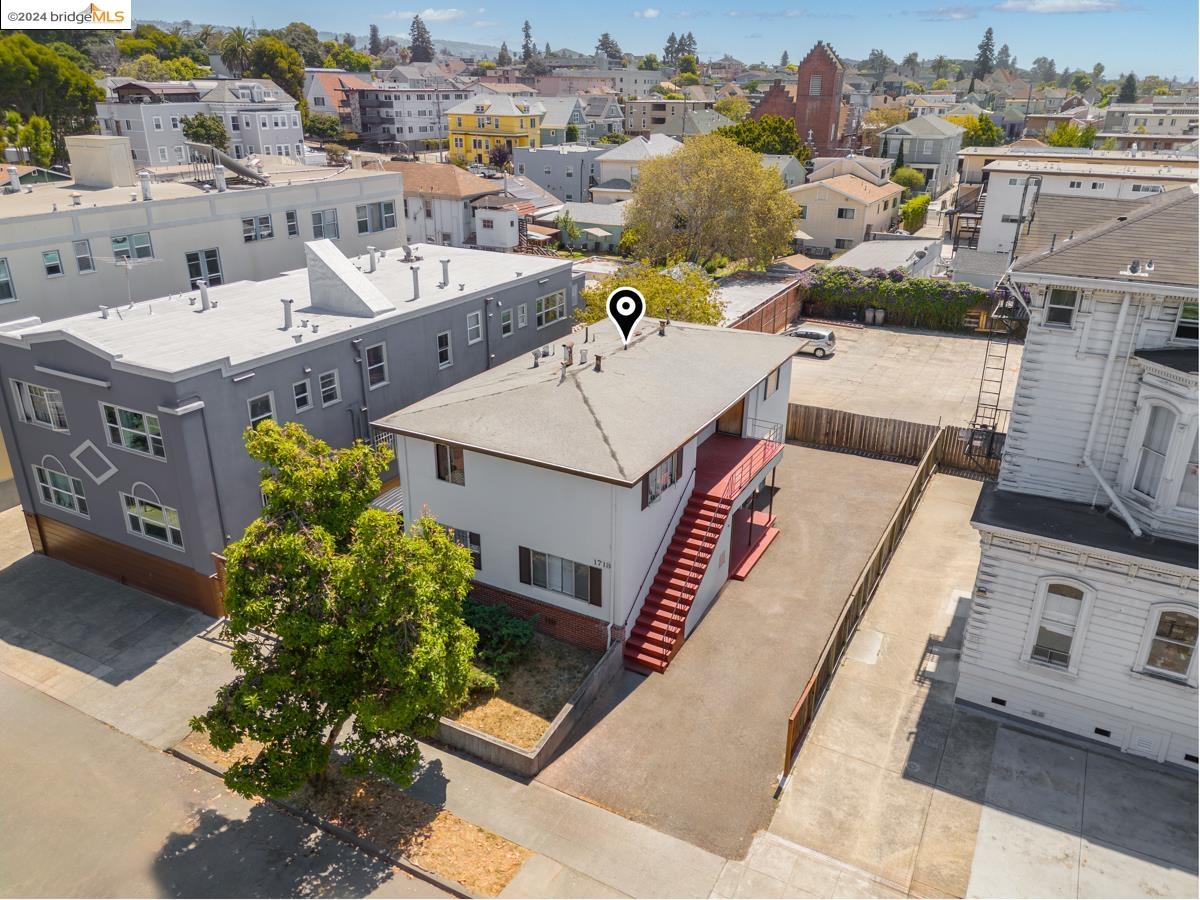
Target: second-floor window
column 1061, row 608
column 550, row 309
column 293, row 223
column 1152, row 456
column 450, row 464
column 7, row 291
column 445, row 354
column 133, row 430
column 377, row 374
column 330, row 389
column 61, row 490
column 83, row 257
column 1169, row 647
column 506, row 322
column 1060, row 307
column 39, row 405
column 474, row 327
column 52, row 261
column 261, row 408
column 845, row 212
column 136, row 246
column 1186, row 324
column 661, row 477
column 325, row 224
column 257, row 228
column 374, row 217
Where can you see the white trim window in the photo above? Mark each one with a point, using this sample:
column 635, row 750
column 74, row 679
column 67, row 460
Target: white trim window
column 302, row 395
column 445, row 350
column 152, row 520
column 157, row 120
column 293, row 223
column 377, row 368
column 52, row 263
column 1059, row 620
column 1187, row 328
column 1061, row 306
column 164, row 155
column 450, row 464
column 7, row 291
column 57, row 488
column 204, row 265
column 83, row 257
column 133, row 430
column 42, row 406
column 136, row 246
column 325, row 224
column 474, row 327
column 330, row 387
column 1152, row 456
column 550, row 309
column 1169, row 644
column 261, row 408
column 506, row 323
column 257, row 228
column 374, row 217
column 563, row 576
column 522, row 316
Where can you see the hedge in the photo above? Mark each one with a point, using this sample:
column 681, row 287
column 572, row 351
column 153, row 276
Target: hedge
column 935, row 303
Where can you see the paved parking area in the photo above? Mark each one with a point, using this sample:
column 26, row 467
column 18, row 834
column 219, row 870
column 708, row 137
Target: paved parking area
column 917, row 376
column 133, row 661
column 897, row 790
column 696, row 751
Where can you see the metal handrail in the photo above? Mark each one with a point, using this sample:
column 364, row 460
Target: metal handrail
column 684, row 494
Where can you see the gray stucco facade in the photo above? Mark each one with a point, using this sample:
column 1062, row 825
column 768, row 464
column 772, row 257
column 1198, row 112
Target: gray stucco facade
column 568, row 171
column 931, row 146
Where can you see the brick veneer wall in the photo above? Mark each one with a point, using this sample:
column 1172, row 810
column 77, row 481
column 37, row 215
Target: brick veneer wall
column 777, row 101
column 822, row 113
column 562, row 624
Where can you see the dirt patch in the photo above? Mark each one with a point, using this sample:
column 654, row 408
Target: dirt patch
column 197, row 744
column 532, row 694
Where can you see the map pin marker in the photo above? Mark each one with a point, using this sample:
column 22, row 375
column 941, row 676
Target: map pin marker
column 626, row 306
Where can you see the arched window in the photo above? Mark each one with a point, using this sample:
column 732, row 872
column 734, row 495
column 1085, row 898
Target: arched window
column 57, row 488
column 147, row 516
column 1152, row 456
column 1060, row 612
column 1169, row 645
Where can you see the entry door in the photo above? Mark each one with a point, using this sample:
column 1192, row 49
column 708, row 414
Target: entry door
column 731, row 420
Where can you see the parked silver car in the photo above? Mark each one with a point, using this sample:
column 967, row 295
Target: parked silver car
column 818, row 341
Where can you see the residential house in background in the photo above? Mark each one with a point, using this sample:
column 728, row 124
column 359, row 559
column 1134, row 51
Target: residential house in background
column 603, row 114
column 610, row 514
column 841, row 212
column 333, row 92
column 703, row 121
column 568, row 171
column 561, row 114
column 1084, row 613
column 618, row 167
column 125, row 427
column 258, row 116
column 974, row 160
column 917, row 257
column 1149, row 126
column 930, row 145
column 659, row 116
column 437, row 202
column 874, row 169
column 600, row 225
column 407, row 115
column 789, row 168
column 479, row 125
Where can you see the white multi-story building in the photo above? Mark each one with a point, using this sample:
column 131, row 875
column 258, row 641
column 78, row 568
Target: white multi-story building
column 260, row 119
column 399, row 113
column 1084, row 612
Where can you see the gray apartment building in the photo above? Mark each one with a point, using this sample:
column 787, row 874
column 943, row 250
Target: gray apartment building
column 568, row 171
column 930, row 145
column 125, row 425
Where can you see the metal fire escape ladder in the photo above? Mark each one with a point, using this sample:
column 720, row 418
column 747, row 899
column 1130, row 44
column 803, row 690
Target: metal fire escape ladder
column 1004, row 323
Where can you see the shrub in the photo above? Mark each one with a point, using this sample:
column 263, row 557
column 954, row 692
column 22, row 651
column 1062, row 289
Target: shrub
column 913, row 212
column 504, row 638
column 479, row 680
column 934, row 303
column 908, row 178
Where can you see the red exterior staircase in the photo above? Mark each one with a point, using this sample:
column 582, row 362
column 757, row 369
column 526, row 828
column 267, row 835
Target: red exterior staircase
column 658, row 632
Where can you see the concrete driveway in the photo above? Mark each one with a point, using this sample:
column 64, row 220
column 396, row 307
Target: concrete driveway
column 133, row 661
column 917, row 376
column 696, row 751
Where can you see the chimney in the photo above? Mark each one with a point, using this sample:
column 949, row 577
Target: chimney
column 597, row 366
column 416, row 270
column 144, row 178
column 371, row 253
column 569, row 352
column 287, row 313
column 219, row 178
column 14, row 180
column 445, row 272
column 205, row 303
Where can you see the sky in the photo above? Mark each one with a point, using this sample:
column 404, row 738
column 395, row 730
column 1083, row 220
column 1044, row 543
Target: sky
column 1145, row 36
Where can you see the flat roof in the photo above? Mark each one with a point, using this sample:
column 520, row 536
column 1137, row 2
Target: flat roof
column 1143, row 157
column 742, row 292
column 613, row 425
column 171, row 336
column 1072, row 167
column 887, row 254
column 1074, row 523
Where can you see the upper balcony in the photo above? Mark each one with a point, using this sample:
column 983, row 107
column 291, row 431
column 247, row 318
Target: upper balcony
column 727, row 462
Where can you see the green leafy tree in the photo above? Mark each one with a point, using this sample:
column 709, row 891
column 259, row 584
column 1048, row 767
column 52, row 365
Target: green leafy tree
column 572, row 133
column 783, row 59
column 1044, row 70
column 302, row 38
column 671, row 50
column 335, row 612
column 908, row 178
column 1154, row 85
column 504, row 57
column 709, row 197
column 323, row 127
column 733, row 108
column 1097, row 73
column 36, row 81
column 374, row 42
column 912, row 64
column 272, row 58
column 899, row 154
column 683, row 293
column 687, row 79
column 81, row 59
column 527, row 48
column 687, row 45
column 978, row 131
column 608, row 46
column 614, row 137
column 1004, row 59
column 1070, row 134
column 878, row 64
column 38, row 140
column 649, row 63
column 204, row 128
column 913, row 212
column 11, row 128
column 570, row 229
column 939, row 84
column 1129, row 90
column 420, row 42
column 769, row 134
column 940, row 66
column 985, row 57
column 348, row 58
column 235, row 50
column 687, row 65
column 537, row 65
column 1080, row 81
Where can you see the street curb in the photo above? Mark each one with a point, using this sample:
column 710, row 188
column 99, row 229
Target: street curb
column 451, row 887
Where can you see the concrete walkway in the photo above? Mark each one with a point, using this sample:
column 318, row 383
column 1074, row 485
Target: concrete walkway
column 913, row 794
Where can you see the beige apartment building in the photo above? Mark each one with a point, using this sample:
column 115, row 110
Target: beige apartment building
column 841, row 212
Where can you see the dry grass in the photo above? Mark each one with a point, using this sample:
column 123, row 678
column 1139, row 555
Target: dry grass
column 532, row 694
column 197, row 744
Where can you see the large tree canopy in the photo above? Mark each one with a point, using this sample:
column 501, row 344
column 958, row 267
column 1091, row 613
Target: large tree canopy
column 683, row 293
column 769, row 134
column 36, row 81
column 272, row 58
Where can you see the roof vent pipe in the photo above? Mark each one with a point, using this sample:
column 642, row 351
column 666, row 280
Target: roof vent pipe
column 662, row 327
column 144, row 178
column 104, row 312
column 219, row 178
column 14, row 179
column 416, row 270
column 583, row 356
column 205, row 303
column 536, row 356
column 445, row 272
column 76, row 198
column 287, row 313
column 373, row 259
column 598, row 358
column 568, row 352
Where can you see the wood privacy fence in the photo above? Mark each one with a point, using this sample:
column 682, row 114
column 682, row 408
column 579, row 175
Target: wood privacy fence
column 774, row 314
column 945, row 449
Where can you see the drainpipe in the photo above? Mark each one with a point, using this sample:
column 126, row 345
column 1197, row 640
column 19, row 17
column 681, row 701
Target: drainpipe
column 360, row 363
column 1098, row 411
column 212, row 470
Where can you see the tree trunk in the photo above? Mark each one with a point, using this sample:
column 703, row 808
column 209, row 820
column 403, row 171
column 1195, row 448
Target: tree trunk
column 318, row 779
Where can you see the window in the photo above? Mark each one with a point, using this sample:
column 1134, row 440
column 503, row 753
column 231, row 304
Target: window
column 1061, row 607
column 560, row 575
column 302, row 395
column 236, row 124
column 1075, row 185
column 7, row 291
column 1147, row 189
column 133, row 430
column 179, row 152
column 325, row 224
column 474, row 327
column 83, row 257
column 1097, row 185
column 162, row 154
column 261, row 408
column 661, row 477
column 135, row 246
column 548, row 310
column 487, row 224
column 1060, row 307
column 330, row 390
column 37, row 405
column 257, row 228
column 470, row 540
column 843, row 243
column 174, row 123
column 1188, row 483
column 506, row 322
column 377, row 374
column 803, row 211
column 157, row 123
column 445, row 354
column 293, row 223
column 152, row 520
column 1170, row 645
column 845, row 212
column 1185, row 324
column 522, row 317
column 374, row 217
column 427, row 207
column 814, row 86
column 450, row 464
column 263, row 122
column 204, row 265
column 60, row 489
column 1153, row 454
column 771, row 383
column 52, row 262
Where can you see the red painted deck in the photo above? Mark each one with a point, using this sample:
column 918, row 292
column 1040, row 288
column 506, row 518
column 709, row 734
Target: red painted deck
column 723, row 458
column 747, row 544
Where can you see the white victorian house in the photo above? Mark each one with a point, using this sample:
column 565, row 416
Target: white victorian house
column 1084, row 613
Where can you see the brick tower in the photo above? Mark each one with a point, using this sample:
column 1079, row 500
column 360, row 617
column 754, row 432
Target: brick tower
column 819, row 98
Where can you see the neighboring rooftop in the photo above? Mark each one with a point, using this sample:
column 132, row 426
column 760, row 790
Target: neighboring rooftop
column 1072, row 167
column 1032, row 148
column 639, row 148
column 424, row 179
column 558, row 110
column 591, row 213
column 498, row 105
column 613, row 425
column 903, row 254
column 743, row 292
column 852, row 186
column 1057, row 218
column 925, row 127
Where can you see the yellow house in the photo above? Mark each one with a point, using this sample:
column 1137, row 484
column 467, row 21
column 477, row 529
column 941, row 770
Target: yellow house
column 479, row 125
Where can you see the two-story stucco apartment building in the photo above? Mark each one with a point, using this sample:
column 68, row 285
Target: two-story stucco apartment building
column 930, row 145
column 600, row 488
column 1084, row 612
column 125, row 425
column 841, row 212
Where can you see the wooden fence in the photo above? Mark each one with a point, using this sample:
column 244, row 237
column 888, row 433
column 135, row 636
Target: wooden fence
column 944, row 450
column 775, row 314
